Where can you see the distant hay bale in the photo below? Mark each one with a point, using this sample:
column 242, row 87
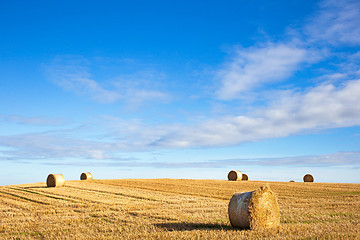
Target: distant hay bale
column 255, row 210
column 86, row 176
column 244, row 177
column 291, row 181
column 55, row 180
column 234, row 175
column 308, row 178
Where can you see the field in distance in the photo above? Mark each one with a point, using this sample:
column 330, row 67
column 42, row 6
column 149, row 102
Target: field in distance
column 172, row 209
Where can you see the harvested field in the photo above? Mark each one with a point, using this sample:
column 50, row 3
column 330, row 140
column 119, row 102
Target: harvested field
column 172, row 209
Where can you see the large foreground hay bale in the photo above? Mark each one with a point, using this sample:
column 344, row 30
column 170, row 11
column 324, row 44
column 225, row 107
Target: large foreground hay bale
column 244, row 177
column 86, row 176
column 55, row 180
column 234, row 175
column 255, row 210
column 308, row 178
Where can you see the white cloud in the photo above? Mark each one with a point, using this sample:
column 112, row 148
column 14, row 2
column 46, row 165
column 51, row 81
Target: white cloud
column 141, row 87
column 253, row 67
column 39, row 120
column 72, row 74
column 50, row 146
column 321, row 107
column 138, row 97
column 76, row 78
column 324, row 106
column 334, row 159
column 338, row 159
column 336, row 23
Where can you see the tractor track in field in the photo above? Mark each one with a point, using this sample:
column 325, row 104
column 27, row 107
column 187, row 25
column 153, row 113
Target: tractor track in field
column 169, row 191
column 53, row 196
column 171, row 209
column 22, row 197
column 117, row 194
column 66, row 197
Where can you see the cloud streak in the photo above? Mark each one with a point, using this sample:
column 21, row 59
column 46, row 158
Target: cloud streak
column 338, row 159
column 73, row 74
column 50, row 146
column 288, row 112
column 327, row 160
column 38, row 120
column 254, row 67
column 337, row 23
column 324, row 106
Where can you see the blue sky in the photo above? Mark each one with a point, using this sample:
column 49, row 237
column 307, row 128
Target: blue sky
column 180, row 89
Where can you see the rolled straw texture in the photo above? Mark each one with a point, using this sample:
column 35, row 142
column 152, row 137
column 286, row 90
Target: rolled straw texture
column 234, row 175
column 244, row 177
column 55, row 180
column 308, row 178
column 86, row 176
column 258, row 209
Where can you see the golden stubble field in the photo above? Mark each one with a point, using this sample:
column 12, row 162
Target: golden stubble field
column 172, row 209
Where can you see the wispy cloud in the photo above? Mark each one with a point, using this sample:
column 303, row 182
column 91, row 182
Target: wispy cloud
column 256, row 66
column 73, row 74
column 337, row 159
column 331, row 104
column 141, row 87
column 38, row 120
column 324, row 106
column 50, row 146
column 327, row 160
column 336, row 23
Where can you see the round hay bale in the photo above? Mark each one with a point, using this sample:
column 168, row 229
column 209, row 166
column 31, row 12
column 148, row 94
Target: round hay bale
column 55, row 180
column 291, row 181
column 244, row 177
column 308, row 178
column 255, row 210
column 86, row 176
column 234, row 175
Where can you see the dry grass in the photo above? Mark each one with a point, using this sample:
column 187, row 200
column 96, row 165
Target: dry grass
column 172, row 209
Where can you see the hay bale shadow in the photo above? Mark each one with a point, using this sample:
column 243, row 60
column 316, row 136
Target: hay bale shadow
column 183, row 226
column 35, row 187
